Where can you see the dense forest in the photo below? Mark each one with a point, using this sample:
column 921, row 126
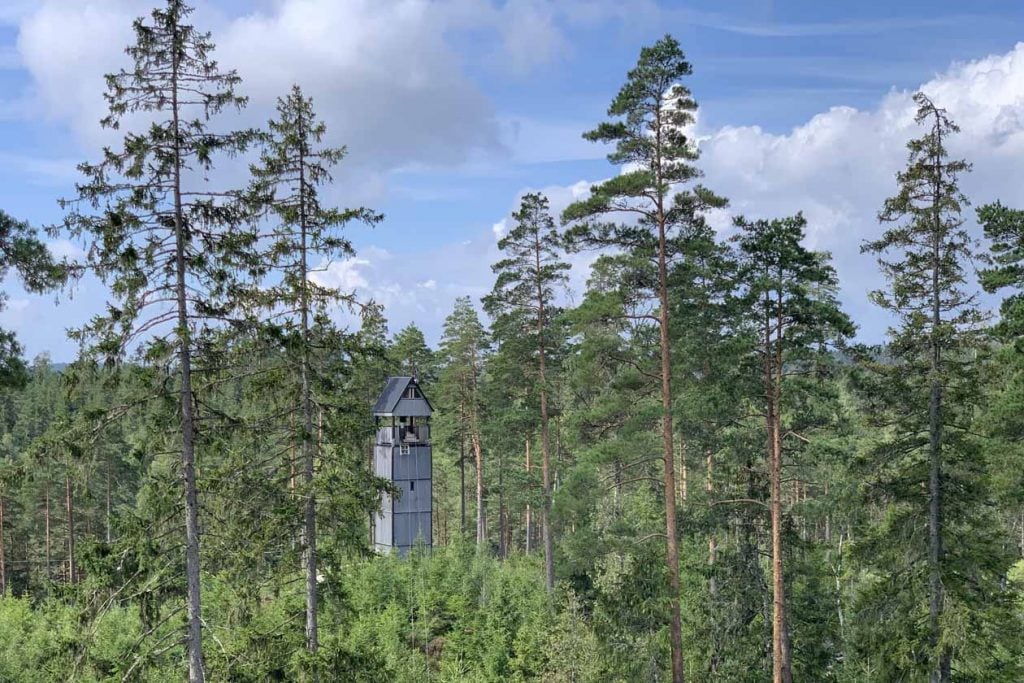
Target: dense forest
column 696, row 473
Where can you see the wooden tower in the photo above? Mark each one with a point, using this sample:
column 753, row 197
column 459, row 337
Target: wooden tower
column 402, row 455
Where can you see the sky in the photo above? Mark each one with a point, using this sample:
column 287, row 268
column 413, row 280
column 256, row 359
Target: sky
column 452, row 109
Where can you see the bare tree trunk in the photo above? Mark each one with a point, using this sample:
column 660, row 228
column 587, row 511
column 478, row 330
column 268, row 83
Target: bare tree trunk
column 481, row 519
column 109, row 520
column 194, row 637
column 46, row 531
column 545, row 442
column 781, row 671
column 672, row 540
column 69, row 509
column 529, row 511
column 462, row 483
column 502, row 548
column 781, row 663
column 684, row 483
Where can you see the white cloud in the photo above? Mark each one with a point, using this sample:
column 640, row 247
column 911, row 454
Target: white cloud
column 346, row 275
column 839, row 166
column 385, row 74
column 415, row 287
column 382, row 72
column 500, row 228
column 65, row 249
column 67, row 48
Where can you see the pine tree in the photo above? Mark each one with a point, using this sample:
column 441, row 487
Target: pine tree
column 653, row 112
column 528, row 280
column 171, row 247
column 293, row 165
column 790, row 292
column 463, row 348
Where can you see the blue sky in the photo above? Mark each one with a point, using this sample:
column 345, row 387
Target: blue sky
column 452, row 109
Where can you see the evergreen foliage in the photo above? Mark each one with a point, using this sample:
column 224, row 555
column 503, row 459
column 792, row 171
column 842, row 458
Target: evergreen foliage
column 722, row 489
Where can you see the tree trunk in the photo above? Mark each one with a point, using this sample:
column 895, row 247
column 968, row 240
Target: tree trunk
column 942, row 672
column 481, row 519
column 109, row 520
column 529, row 511
column 781, row 663
column 309, row 523
column 502, row 548
column 69, row 510
column 781, row 669
column 193, row 601
column 545, row 441
column 462, row 483
column 668, row 458
column 684, row 484
column 712, row 541
column 46, row 528
column 3, row 556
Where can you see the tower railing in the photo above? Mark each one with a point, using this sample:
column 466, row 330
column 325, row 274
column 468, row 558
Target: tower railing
column 405, row 434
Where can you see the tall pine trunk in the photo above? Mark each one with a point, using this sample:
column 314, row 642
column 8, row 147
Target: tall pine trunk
column 668, row 457
column 545, row 520
column 194, row 635
column 69, row 511
column 529, row 510
column 109, row 520
column 481, row 519
column 781, row 666
column 502, row 518
column 462, row 483
column 46, row 528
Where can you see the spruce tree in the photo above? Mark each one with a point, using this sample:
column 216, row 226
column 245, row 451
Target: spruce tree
column 171, row 245
column 652, row 113
column 305, row 235
column 925, row 396
column 1004, row 227
column 410, row 355
column 22, row 251
column 528, row 280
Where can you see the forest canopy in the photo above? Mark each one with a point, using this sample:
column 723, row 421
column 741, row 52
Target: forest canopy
column 689, row 471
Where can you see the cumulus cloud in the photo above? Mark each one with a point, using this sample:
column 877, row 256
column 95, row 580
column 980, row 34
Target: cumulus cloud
column 383, row 73
column 839, row 166
column 416, row 287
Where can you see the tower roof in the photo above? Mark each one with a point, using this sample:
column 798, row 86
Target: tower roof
column 393, row 400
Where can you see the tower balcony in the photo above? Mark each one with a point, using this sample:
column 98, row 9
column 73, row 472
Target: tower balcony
column 409, row 435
